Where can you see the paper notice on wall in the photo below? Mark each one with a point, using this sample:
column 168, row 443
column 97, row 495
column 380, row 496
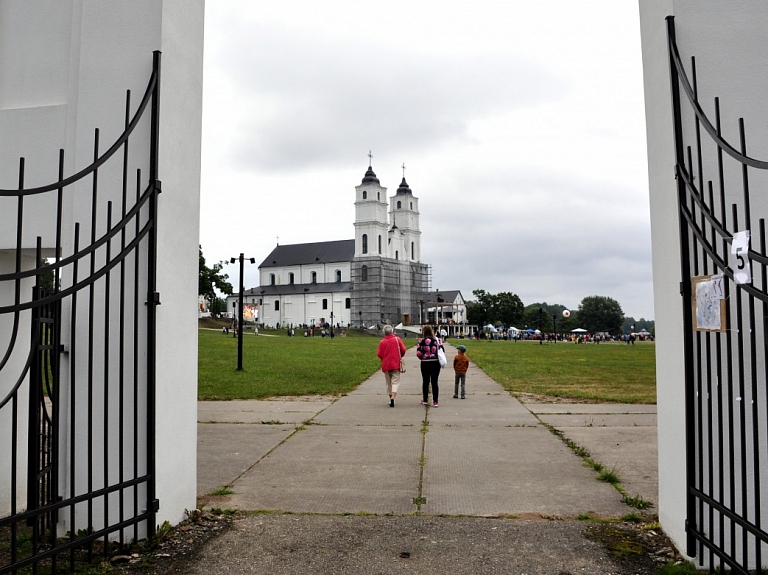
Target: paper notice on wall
column 740, row 264
column 708, row 303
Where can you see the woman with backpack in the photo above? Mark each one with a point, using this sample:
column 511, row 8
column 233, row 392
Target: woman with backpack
column 427, row 351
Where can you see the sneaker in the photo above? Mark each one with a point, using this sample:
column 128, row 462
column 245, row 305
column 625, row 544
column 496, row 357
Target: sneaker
column 463, row 397
column 455, row 397
column 422, row 402
column 391, row 402
column 435, row 405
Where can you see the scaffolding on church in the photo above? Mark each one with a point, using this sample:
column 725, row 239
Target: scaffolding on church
column 389, row 291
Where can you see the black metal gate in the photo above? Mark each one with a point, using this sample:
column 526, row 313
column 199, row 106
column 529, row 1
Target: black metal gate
column 725, row 307
column 77, row 353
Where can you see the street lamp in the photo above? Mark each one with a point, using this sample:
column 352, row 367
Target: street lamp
column 242, row 259
column 360, row 313
column 554, row 325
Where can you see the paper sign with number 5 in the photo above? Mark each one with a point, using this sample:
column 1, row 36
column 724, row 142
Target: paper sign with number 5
column 740, row 264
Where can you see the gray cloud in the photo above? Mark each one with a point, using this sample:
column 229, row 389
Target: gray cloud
column 313, row 99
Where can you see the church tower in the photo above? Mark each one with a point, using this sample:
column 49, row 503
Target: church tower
column 404, row 215
column 370, row 216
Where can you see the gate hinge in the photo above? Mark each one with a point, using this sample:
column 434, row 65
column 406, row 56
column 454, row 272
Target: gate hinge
column 682, row 288
column 156, row 505
column 159, row 186
column 154, row 298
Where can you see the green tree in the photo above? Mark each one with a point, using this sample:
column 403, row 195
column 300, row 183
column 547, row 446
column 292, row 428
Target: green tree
column 600, row 313
column 630, row 325
column 504, row 308
column 211, row 279
column 481, row 309
column 509, row 308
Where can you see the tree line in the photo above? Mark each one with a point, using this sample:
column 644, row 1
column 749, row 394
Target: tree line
column 595, row 314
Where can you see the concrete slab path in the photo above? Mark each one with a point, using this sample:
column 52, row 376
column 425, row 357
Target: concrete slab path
column 487, row 455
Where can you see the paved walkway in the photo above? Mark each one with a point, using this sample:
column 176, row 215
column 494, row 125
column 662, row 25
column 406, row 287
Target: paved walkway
column 354, row 472
column 487, row 455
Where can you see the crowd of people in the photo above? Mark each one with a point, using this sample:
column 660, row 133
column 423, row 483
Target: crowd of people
column 432, row 359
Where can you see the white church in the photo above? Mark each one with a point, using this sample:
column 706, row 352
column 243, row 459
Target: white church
column 377, row 277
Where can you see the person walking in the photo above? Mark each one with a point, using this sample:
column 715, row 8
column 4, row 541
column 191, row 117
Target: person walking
column 391, row 351
column 426, row 351
column 460, row 367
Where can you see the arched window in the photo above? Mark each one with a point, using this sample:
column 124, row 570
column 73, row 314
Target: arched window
column 411, row 205
column 348, row 303
column 325, row 303
column 271, row 279
column 413, row 251
column 290, row 278
column 314, row 277
column 397, row 255
column 379, row 243
column 364, row 274
column 365, row 195
column 277, row 305
column 365, row 243
column 399, row 204
column 338, row 276
column 378, row 196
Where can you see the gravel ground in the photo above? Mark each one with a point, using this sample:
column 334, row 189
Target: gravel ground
column 372, row 545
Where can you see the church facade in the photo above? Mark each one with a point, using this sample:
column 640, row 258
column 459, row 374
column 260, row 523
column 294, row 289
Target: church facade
column 377, row 277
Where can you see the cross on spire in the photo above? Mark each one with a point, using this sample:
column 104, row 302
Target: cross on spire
column 403, row 170
column 370, row 158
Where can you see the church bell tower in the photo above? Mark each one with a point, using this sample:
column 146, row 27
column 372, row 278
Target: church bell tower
column 370, row 216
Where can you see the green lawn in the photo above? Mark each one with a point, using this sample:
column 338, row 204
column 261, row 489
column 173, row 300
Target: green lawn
column 611, row 372
column 275, row 366
column 284, row 365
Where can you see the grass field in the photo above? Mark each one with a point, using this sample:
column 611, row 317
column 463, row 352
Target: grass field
column 284, row 365
column 611, row 372
column 280, row 365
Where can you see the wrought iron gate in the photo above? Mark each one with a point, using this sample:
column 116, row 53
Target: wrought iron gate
column 726, row 331
column 77, row 354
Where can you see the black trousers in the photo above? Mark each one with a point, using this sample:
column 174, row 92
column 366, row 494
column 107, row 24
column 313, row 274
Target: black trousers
column 430, row 372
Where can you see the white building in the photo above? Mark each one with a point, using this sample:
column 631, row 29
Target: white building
column 376, row 278
column 713, row 493
column 66, row 71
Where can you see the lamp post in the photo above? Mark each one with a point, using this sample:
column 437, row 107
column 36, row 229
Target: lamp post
column 242, row 259
column 554, row 325
column 360, row 313
column 261, row 309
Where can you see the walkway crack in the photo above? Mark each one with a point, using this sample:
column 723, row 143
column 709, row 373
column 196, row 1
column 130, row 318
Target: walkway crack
column 420, row 500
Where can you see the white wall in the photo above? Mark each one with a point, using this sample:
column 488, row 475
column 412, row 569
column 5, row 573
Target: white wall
column 728, row 41
column 65, row 67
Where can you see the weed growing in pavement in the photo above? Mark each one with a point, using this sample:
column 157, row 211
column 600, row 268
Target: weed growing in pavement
column 222, row 491
column 632, row 517
column 637, row 502
column 609, row 476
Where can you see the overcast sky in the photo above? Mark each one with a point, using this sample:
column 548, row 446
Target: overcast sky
column 521, row 125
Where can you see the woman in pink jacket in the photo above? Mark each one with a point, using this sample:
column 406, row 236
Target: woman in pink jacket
column 391, row 350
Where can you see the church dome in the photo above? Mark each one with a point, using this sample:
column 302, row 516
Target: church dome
column 403, row 189
column 370, row 177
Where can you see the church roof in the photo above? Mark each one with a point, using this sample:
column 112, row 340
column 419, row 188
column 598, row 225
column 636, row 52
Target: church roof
column 370, row 177
column 404, row 189
column 452, row 296
column 314, row 253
